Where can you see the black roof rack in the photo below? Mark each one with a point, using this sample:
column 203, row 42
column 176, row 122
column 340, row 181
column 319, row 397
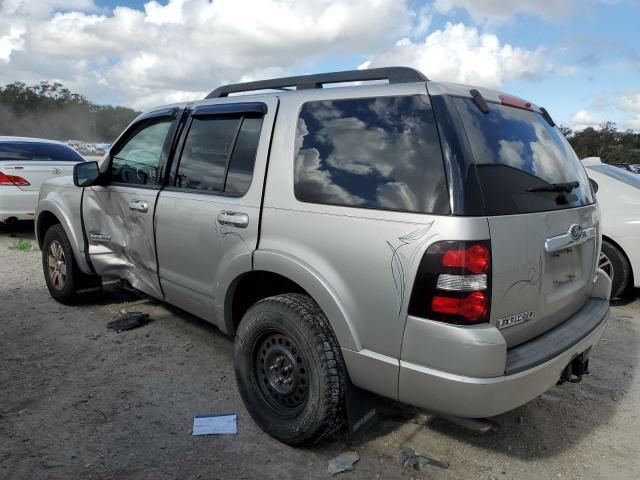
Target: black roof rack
column 392, row 74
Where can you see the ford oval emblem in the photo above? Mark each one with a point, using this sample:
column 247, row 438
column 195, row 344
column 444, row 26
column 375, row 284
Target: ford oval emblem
column 575, row 231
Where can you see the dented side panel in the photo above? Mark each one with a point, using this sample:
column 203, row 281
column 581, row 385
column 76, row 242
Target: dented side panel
column 121, row 240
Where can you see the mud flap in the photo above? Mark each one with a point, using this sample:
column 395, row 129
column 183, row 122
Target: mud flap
column 362, row 410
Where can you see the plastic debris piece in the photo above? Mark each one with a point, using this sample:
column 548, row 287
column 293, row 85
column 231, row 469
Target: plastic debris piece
column 129, row 321
column 342, row 463
column 223, row 424
column 417, row 461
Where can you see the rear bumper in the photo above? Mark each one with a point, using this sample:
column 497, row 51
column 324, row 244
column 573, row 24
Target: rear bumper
column 18, row 204
column 483, row 396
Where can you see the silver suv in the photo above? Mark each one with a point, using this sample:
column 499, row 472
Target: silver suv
column 432, row 243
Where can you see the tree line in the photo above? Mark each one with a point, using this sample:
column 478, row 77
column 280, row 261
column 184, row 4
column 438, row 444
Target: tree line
column 49, row 110
column 606, row 141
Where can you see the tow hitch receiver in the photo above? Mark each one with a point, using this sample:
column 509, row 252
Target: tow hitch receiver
column 573, row 372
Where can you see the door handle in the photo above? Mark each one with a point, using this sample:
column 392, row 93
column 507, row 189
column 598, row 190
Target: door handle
column 233, row 219
column 139, row 206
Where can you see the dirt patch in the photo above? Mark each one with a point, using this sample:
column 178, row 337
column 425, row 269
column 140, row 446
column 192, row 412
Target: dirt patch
column 80, row 401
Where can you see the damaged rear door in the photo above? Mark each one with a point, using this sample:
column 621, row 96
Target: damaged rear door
column 119, row 214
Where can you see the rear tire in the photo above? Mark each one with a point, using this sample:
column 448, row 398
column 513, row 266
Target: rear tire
column 66, row 282
column 289, row 369
column 619, row 269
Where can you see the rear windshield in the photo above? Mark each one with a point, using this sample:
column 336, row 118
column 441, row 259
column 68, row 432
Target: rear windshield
column 38, row 152
column 518, row 155
column 625, row 176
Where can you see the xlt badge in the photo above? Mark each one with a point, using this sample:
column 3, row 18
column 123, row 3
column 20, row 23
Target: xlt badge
column 515, row 319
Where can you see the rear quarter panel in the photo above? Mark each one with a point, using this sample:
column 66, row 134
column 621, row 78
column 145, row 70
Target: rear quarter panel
column 358, row 264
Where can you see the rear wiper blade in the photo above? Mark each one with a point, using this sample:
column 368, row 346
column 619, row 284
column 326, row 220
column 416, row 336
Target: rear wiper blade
column 566, row 187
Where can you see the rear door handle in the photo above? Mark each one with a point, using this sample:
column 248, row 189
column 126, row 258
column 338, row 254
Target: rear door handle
column 139, row 206
column 233, row 219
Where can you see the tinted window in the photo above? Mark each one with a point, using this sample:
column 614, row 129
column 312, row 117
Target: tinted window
column 33, row 151
column 205, row 154
column 217, row 148
column 380, row 153
column 515, row 150
column 138, row 161
column 244, row 157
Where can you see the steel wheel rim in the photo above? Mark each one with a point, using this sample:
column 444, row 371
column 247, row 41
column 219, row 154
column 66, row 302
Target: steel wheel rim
column 56, row 265
column 605, row 264
column 282, row 374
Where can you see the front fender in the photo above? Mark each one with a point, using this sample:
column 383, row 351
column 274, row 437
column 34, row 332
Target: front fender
column 65, row 204
column 309, row 279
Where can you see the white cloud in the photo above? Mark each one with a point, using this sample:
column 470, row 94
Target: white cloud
column 629, row 101
column 463, row 54
column 583, row 119
column 183, row 48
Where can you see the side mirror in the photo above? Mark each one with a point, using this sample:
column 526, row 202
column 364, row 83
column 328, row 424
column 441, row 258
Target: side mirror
column 85, row 174
column 594, row 185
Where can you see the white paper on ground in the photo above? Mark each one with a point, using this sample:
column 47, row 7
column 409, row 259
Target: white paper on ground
column 215, row 424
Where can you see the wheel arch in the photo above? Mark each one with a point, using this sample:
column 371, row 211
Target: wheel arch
column 610, row 240
column 48, row 216
column 286, row 272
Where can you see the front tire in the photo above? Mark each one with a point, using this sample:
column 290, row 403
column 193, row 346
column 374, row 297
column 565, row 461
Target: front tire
column 289, row 369
column 65, row 281
column 615, row 264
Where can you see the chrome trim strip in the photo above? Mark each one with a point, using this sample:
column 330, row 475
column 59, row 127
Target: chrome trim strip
column 561, row 242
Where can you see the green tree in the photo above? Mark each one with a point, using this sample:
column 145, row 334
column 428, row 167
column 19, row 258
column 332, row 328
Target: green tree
column 49, row 110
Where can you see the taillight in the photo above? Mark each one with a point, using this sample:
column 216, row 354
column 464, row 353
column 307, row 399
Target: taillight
column 12, row 181
column 453, row 283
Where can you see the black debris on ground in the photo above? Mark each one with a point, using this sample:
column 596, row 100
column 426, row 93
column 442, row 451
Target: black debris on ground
column 129, row 321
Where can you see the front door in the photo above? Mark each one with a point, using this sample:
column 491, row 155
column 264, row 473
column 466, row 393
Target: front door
column 207, row 218
column 118, row 216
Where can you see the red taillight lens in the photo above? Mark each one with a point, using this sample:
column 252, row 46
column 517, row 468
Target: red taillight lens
column 12, row 181
column 473, row 307
column 475, row 259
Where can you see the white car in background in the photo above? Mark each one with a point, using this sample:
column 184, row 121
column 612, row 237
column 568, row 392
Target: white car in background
column 24, row 164
column 619, row 198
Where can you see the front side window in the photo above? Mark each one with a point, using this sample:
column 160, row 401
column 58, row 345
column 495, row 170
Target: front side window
column 219, row 154
column 138, row 160
column 380, row 153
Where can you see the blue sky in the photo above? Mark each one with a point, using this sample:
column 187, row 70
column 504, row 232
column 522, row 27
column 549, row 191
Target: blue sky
column 579, row 58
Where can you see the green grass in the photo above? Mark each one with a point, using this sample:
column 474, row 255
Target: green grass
column 21, row 245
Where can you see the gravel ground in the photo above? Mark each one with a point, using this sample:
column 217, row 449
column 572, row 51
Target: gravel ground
column 80, row 401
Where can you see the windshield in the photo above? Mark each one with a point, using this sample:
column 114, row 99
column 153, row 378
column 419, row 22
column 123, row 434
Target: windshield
column 38, row 152
column 625, row 176
column 523, row 163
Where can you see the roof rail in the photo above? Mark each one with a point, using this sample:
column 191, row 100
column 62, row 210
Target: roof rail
column 392, row 74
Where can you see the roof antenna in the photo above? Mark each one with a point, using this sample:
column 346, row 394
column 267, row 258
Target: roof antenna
column 479, row 100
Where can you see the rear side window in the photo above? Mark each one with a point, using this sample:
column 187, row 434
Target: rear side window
column 38, row 152
column 219, row 154
column 517, row 154
column 380, row 153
